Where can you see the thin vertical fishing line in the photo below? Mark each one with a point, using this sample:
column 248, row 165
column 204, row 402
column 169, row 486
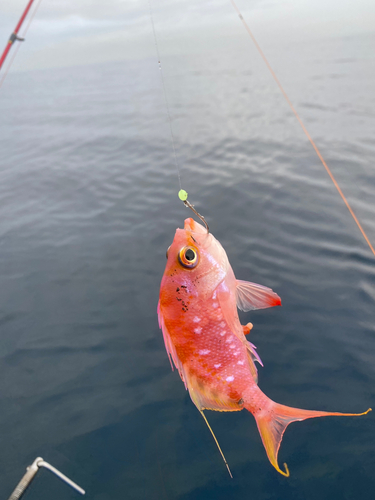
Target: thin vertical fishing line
column 165, row 96
column 19, row 43
column 304, row 128
column 217, row 443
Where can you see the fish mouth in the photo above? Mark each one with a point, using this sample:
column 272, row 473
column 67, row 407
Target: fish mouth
column 193, row 226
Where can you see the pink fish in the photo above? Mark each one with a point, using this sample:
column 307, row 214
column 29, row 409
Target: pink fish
column 199, row 297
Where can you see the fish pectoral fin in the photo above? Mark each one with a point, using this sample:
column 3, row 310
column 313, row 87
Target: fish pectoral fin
column 251, row 296
column 273, row 421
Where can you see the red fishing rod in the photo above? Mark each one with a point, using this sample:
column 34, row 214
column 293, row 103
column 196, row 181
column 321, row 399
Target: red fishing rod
column 14, row 36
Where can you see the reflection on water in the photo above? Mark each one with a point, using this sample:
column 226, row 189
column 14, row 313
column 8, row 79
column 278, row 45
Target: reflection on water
column 88, row 192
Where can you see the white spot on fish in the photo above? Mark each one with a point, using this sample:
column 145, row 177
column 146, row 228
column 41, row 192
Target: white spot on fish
column 230, row 378
column 236, row 353
column 222, row 324
column 203, row 352
column 232, row 346
column 214, row 295
column 198, row 330
column 218, row 365
column 222, row 334
column 240, row 362
column 215, row 305
column 196, row 319
column 229, row 339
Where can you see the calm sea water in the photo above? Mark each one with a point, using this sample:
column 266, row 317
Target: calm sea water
column 88, row 195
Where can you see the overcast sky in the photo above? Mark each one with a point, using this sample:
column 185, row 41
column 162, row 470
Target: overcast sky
column 68, row 32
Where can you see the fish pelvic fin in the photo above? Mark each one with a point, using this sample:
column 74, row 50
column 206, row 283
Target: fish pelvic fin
column 273, row 421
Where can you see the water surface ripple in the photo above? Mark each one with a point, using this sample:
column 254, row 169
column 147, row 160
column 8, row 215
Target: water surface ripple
column 88, row 192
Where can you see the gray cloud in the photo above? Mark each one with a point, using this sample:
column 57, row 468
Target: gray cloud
column 76, row 32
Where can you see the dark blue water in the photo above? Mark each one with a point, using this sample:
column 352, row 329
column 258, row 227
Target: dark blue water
column 88, row 195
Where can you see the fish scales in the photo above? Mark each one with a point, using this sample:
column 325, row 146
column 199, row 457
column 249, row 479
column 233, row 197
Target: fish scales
column 204, row 339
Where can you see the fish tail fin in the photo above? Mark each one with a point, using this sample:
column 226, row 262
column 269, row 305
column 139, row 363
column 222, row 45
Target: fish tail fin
column 273, row 421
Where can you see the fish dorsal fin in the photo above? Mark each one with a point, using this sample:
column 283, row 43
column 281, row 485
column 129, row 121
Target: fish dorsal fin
column 251, row 296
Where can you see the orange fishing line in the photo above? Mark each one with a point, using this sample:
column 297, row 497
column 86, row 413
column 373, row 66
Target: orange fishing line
column 304, row 128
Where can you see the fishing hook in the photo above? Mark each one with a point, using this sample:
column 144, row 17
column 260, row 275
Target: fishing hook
column 189, row 205
column 182, row 194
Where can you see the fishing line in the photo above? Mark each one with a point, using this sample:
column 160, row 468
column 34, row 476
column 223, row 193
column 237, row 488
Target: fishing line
column 303, row 127
column 19, row 45
column 217, row 442
column 182, row 194
column 166, row 100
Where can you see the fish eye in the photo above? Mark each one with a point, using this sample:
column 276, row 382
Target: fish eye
column 167, row 251
column 188, row 257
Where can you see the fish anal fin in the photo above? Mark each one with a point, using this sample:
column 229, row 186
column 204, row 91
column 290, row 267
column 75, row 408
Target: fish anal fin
column 273, row 421
column 251, row 296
